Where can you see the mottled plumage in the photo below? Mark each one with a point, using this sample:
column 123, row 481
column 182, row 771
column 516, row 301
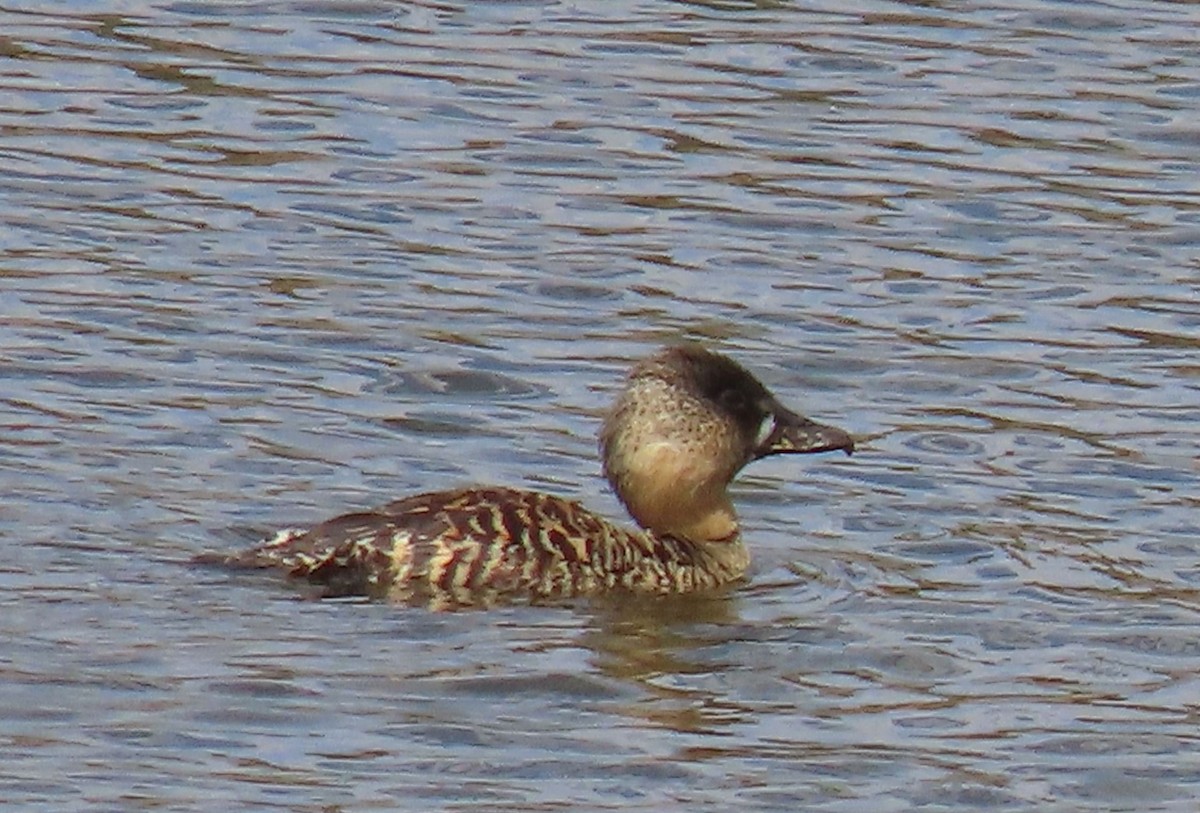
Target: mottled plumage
column 686, row 422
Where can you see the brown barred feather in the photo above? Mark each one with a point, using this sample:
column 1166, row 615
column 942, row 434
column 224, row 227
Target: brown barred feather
column 491, row 543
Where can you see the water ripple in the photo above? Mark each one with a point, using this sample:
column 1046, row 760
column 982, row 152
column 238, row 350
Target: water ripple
column 261, row 262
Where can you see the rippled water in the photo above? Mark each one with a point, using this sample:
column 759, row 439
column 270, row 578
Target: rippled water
column 262, row 262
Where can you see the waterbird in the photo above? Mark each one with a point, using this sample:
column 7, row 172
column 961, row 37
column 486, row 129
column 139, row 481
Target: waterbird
column 686, row 421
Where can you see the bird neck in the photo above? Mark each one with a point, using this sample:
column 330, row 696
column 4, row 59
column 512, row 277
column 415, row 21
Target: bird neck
column 671, row 494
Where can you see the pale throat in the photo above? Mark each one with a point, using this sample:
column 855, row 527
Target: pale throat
column 672, row 490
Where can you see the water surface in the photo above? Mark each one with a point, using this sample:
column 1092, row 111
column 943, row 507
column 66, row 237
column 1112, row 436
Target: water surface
column 263, row 262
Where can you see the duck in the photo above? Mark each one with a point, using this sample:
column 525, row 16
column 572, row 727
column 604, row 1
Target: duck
column 685, row 422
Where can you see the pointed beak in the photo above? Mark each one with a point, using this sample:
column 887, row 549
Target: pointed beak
column 796, row 434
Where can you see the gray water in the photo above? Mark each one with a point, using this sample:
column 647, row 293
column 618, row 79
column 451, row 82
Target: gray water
column 264, row 262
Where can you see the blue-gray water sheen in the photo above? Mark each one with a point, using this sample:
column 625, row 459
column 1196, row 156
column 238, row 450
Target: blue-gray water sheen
column 261, row 263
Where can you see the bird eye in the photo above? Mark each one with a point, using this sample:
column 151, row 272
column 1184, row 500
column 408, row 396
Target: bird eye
column 733, row 400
